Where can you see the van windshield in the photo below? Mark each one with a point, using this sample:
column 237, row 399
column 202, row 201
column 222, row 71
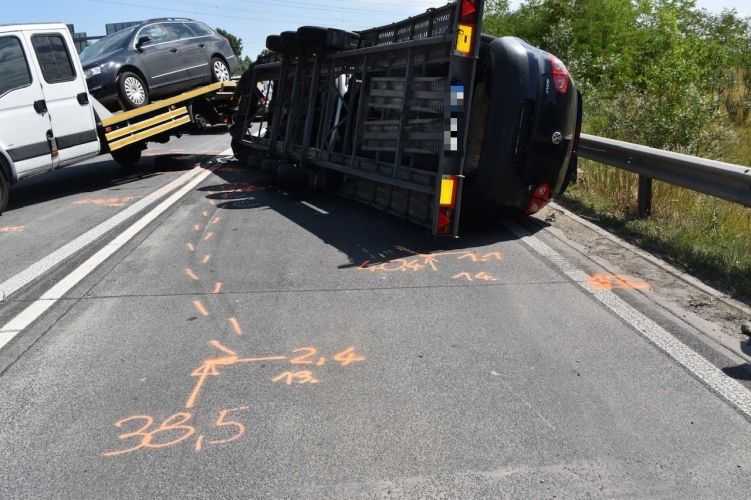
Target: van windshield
column 107, row 45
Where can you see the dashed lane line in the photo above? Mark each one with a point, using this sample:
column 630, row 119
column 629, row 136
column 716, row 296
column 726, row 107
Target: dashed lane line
column 314, row 208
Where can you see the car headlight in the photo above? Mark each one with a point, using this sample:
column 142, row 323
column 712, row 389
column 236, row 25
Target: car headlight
column 96, row 70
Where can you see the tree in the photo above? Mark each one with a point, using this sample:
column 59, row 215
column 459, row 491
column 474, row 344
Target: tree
column 235, row 42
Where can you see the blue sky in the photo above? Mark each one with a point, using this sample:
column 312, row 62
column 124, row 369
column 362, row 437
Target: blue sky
column 250, row 19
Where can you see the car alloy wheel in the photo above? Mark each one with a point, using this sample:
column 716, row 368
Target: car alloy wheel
column 221, row 71
column 134, row 91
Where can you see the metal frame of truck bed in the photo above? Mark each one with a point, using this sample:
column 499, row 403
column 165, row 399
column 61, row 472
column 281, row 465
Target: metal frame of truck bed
column 391, row 115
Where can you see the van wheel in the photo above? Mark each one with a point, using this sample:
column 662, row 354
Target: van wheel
column 219, row 70
column 127, row 157
column 133, row 91
column 4, row 192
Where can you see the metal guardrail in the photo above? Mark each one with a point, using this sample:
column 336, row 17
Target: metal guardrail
column 723, row 180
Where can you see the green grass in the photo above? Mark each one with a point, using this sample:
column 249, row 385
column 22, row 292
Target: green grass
column 707, row 237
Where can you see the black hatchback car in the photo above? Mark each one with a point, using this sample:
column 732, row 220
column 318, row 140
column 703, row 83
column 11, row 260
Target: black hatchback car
column 156, row 58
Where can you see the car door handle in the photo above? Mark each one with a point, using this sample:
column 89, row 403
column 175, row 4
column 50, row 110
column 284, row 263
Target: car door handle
column 173, row 50
column 83, row 98
column 40, row 106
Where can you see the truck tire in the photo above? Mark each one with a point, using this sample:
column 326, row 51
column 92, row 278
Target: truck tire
column 133, row 90
column 127, row 157
column 219, row 70
column 4, row 192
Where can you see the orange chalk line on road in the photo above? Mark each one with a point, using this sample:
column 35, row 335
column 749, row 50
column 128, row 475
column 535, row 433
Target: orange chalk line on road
column 12, row 229
column 200, row 308
column 216, row 220
column 208, row 236
column 197, row 227
column 206, row 259
column 235, row 326
column 209, row 368
column 191, row 274
column 190, row 246
column 217, row 287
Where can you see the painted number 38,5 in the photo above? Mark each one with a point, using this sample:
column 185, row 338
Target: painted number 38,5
column 173, row 430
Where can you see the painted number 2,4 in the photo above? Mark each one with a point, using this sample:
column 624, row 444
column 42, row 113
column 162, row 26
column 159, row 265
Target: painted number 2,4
column 144, row 433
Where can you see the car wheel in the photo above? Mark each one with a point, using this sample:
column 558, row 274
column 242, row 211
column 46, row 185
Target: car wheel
column 219, row 70
column 133, row 91
column 4, row 192
column 127, row 157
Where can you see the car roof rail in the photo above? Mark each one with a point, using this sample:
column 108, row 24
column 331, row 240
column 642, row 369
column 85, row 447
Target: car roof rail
column 163, row 19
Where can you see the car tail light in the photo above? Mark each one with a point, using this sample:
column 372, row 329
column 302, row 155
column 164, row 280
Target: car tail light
column 540, row 197
column 561, row 76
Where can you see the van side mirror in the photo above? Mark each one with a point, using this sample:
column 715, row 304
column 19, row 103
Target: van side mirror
column 143, row 40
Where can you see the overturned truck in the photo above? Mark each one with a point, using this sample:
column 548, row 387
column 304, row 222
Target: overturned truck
column 424, row 118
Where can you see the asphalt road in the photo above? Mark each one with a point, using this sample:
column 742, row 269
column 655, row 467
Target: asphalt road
column 253, row 343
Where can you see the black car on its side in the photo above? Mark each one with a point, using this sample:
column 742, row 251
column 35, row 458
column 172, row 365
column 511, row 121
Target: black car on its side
column 156, row 58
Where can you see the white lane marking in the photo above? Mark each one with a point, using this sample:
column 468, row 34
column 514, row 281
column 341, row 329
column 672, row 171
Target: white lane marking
column 38, row 307
column 34, row 271
column 730, row 390
column 313, row 207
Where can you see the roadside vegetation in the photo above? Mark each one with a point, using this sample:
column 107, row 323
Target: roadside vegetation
column 665, row 74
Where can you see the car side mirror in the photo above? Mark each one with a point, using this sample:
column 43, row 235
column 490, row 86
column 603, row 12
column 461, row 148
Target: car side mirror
column 142, row 41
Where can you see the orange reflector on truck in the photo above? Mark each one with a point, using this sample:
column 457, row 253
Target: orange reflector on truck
column 464, row 39
column 448, row 191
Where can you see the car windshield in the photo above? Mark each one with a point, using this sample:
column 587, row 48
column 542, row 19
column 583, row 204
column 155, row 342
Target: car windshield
column 106, row 45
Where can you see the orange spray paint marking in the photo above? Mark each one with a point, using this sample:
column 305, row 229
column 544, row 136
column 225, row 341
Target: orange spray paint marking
column 12, row 229
column 460, row 276
column 199, row 443
column 235, row 326
column 217, row 287
column 106, row 202
column 208, row 367
column 191, row 274
column 602, row 281
column 197, row 227
column 208, row 236
column 205, row 213
column 200, row 308
column 300, row 377
column 190, row 246
column 216, row 220
column 348, row 356
column 205, row 259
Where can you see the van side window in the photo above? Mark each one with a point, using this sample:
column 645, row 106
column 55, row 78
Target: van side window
column 13, row 65
column 54, row 58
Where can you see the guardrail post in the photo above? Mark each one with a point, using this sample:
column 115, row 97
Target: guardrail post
column 645, row 196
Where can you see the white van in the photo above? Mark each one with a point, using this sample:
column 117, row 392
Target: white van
column 46, row 121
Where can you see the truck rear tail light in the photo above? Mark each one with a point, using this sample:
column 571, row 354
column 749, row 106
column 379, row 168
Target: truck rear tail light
column 468, row 13
column 447, row 198
column 561, row 76
column 465, row 32
column 540, row 197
